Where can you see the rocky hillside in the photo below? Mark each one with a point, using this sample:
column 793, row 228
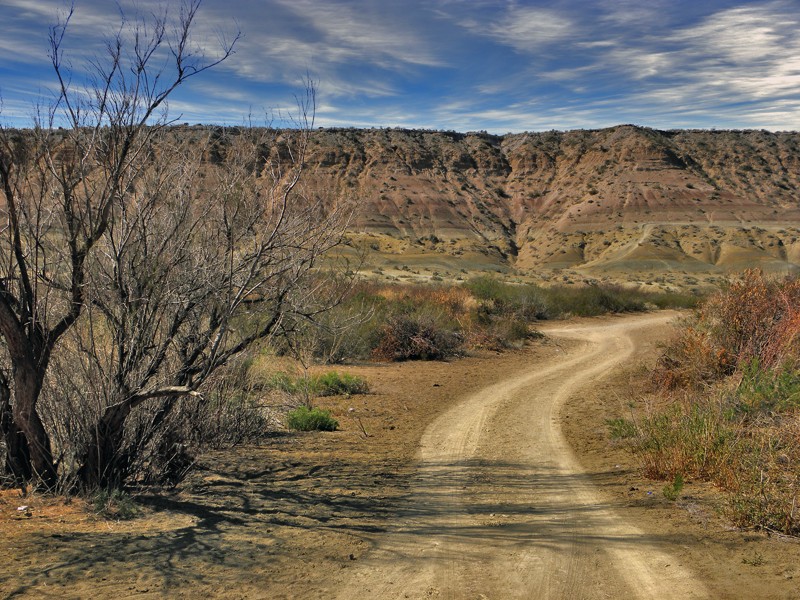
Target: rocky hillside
column 624, row 203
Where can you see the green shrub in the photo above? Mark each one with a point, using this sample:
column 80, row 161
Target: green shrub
column 593, row 300
column 327, row 384
column 672, row 490
column 303, row 418
column 485, row 288
column 524, row 302
column 336, row 384
column 768, row 390
column 665, row 300
column 621, row 429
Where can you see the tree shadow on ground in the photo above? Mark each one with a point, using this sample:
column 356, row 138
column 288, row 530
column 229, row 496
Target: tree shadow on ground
column 244, row 518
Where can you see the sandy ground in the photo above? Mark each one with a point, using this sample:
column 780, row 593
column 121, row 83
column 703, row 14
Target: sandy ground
column 489, row 476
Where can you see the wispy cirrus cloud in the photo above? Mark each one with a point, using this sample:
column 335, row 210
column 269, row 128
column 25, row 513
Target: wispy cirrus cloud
column 750, row 51
column 329, row 37
column 360, row 29
column 528, row 29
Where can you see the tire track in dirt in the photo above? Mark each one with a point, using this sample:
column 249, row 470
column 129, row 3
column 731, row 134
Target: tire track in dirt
column 501, row 508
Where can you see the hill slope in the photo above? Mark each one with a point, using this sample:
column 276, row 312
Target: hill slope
column 624, row 203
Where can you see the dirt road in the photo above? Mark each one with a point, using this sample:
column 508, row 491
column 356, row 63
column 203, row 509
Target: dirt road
column 501, row 507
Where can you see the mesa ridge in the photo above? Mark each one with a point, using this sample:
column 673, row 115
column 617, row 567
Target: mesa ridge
column 626, row 203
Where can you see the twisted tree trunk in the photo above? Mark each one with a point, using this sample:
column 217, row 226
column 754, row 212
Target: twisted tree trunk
column 35, row 457
column 17, row 459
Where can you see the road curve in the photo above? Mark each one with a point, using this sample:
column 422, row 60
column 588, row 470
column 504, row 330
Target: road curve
column 501, row 508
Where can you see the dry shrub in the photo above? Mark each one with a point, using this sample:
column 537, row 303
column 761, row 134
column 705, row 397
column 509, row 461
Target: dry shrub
column 499, row 334
column 737, row 422
column 416, row 337
column 783, row 345
column 753, row 318
column 692, row 359
column 455, row 302
column 766, row 486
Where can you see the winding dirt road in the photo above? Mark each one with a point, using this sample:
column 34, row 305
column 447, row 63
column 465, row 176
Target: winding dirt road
column 502, row 508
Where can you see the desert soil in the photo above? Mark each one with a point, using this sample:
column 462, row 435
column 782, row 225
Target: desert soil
column 486, row 477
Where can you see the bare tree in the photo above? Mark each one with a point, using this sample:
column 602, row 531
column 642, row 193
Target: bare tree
column 62, row 188
column 209, row 257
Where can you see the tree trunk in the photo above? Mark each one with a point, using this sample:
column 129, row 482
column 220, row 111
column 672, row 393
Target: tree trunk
column 27, row 386
column 18, row 459
column 103, row 466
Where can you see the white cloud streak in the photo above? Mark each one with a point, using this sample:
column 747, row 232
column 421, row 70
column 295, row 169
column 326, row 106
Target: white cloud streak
column 526, row 29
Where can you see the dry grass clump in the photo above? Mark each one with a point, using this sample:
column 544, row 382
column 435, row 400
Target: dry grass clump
column 733, row 417
column 692, row 360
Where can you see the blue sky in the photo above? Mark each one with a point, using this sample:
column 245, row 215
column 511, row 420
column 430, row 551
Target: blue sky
column 491, row 65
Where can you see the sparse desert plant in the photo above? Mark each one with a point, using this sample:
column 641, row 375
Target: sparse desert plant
column 756, row 559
